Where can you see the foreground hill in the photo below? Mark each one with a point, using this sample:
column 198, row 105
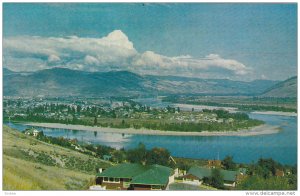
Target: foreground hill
column 287, row 88
column 29, row 164
column 66, row 82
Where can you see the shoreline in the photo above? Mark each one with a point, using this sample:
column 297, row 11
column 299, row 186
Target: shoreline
column 258, row 130
column 231, row 109
column 275, row 113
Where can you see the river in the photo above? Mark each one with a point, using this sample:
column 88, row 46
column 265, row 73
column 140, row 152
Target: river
column 281, row 146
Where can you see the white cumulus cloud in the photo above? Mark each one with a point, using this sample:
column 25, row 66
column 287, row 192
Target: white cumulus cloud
column 53, row 58
column 90, row 60
column 112, row 52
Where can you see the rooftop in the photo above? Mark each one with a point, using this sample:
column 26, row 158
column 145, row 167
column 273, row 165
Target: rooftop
column 140, row 174
column 202, row 172
column 155, row 175
column 125, row 170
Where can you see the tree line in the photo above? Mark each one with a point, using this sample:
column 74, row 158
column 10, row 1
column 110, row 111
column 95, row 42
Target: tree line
column 267, row 174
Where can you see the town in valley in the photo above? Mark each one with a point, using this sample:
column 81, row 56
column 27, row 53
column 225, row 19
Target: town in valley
column 150, row 96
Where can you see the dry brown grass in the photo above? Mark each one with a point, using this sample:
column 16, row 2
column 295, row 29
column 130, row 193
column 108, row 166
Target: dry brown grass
column 21, row 171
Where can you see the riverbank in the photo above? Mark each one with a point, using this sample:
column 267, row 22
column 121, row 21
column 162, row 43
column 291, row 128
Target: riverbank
column 275, row 113
column 189, row 107
column 258, row 130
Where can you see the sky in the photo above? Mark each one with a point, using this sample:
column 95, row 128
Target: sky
column 233, row 41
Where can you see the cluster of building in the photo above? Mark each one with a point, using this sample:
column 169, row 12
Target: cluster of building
column 129, row 176
column 21, row 107
column 121, row 109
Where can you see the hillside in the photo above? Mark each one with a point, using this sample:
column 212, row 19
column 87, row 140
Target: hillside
column 287, row 88
column 59, row 82
column 29, row 164
column 65, row 82
column 186, row 85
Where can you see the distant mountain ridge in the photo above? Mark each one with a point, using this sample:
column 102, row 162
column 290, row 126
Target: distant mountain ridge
column 65, row 82
column 287, row 88
column 186, row 85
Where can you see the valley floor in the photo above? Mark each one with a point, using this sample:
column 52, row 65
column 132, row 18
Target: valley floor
column 258, row 130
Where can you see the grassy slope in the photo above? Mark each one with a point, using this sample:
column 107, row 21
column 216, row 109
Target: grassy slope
column 287, row 88
column 25, row 175
column 29, row 164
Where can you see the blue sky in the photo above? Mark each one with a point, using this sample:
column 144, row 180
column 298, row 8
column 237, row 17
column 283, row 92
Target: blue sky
column 235, row 41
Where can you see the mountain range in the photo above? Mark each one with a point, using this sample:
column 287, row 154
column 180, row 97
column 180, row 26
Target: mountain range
column 60, row 82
